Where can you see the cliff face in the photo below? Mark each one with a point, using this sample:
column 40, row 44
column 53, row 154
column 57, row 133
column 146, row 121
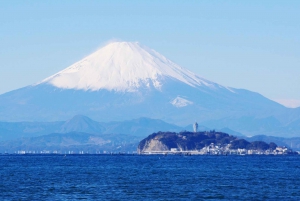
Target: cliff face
column 153, row 145
column 187, row 141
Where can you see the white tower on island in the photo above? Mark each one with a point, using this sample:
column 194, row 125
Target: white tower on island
column 195, row 126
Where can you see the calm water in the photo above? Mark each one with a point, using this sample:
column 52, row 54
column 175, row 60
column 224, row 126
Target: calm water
column 100, row 177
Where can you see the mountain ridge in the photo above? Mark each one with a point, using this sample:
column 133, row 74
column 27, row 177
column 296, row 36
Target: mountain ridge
column 137, row 127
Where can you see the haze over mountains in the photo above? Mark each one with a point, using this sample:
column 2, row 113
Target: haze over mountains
column 79, row 133
column 138, row 128
column 125, row 80
column 82, row 134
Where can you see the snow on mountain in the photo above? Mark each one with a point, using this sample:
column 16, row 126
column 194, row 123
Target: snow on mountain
column 123, row 66
column 181, row 102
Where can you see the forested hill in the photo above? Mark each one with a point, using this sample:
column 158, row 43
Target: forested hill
column 186, row 141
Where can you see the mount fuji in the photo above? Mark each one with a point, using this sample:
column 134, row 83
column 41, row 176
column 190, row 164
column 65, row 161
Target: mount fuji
column 125, row 80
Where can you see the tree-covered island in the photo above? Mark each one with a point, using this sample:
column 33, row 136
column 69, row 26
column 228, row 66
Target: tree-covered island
column 207, row 142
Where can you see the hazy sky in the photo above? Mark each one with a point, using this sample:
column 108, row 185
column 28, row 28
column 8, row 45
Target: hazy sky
column 253, row 45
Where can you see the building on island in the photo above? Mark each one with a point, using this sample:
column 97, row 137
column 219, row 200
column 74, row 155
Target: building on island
column 195, row 127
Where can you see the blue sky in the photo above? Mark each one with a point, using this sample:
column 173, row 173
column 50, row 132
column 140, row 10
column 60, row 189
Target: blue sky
column 253, row 45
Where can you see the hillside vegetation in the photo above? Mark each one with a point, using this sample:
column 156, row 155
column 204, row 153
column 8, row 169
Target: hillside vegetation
column 186, row 141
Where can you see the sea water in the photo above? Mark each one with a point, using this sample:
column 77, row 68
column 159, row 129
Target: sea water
column 157, row 177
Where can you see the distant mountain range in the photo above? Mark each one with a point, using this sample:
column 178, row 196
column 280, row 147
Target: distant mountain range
column 81, row 133
column 293, row 143
column 124, row 81
column 72, row 142
column 140, row 127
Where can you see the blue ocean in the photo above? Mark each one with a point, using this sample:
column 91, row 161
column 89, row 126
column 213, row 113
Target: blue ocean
column 156, row 177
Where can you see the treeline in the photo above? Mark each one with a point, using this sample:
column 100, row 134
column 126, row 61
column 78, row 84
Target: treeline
column 256, row 145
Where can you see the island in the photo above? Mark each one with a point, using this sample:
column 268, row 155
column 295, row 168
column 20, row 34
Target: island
column 206, row 142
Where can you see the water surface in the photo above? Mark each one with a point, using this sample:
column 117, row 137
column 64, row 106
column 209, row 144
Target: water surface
column 124, row 177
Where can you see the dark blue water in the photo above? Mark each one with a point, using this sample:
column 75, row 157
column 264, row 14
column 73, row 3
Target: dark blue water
column 100, row 177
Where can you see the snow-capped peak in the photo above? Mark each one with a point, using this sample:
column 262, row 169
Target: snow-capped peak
column 123, row 66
